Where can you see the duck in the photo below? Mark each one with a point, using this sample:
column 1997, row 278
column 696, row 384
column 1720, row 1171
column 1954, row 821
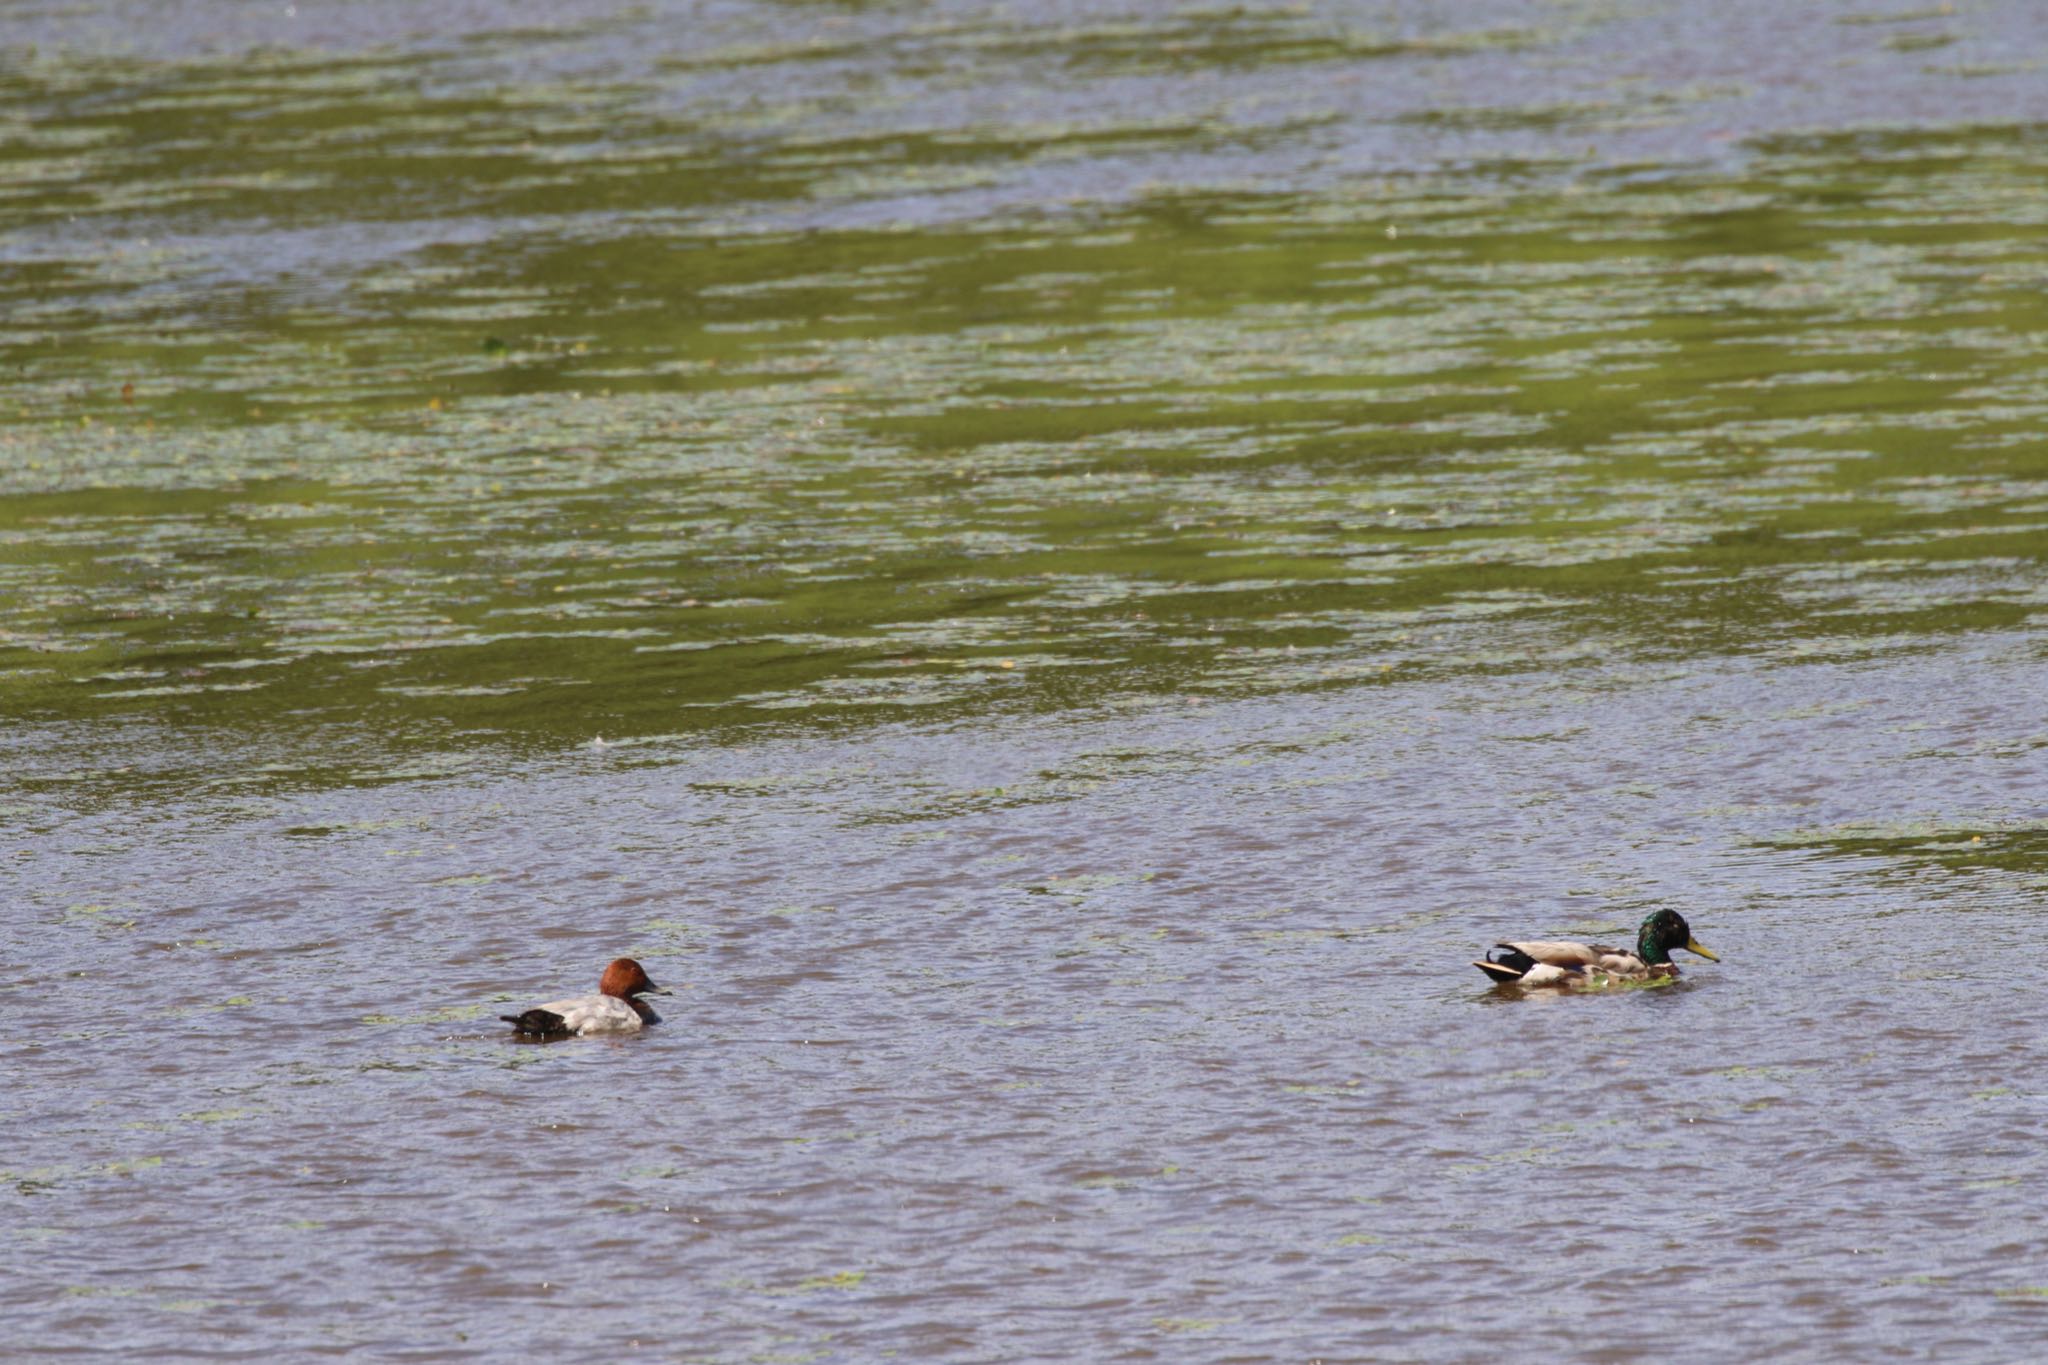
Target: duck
column 615, row 1008
column 1570, row 965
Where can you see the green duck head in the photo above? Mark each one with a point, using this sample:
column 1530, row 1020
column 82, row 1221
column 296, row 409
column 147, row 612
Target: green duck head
column 1664, row 931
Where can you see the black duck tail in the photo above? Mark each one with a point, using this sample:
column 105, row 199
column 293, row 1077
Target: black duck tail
column 1506, row 963
column 537, row 1021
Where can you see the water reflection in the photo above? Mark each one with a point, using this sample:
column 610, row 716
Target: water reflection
column 1211, row 468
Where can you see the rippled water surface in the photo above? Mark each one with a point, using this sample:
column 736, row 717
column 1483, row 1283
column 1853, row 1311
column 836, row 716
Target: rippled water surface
column 1058, row 571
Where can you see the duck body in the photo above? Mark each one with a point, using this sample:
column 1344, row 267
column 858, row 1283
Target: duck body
column 1566, row 965
column 616, row 1008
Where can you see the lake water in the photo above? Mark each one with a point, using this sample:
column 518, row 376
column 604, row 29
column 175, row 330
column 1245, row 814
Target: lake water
column 1058, row 571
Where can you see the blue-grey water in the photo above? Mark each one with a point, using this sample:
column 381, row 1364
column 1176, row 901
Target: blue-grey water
column 1058, row 572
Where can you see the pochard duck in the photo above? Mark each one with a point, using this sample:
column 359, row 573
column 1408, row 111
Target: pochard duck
column 614, row 1009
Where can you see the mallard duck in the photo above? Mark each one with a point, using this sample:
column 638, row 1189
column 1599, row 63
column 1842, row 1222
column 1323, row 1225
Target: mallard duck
column 1580, row 964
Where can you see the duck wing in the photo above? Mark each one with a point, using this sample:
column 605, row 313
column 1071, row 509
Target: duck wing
column 583, row 1014
column 1559, row 953
column 1558, row 962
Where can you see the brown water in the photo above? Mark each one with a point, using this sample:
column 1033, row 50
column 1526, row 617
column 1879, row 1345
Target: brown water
column 1058, row 572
